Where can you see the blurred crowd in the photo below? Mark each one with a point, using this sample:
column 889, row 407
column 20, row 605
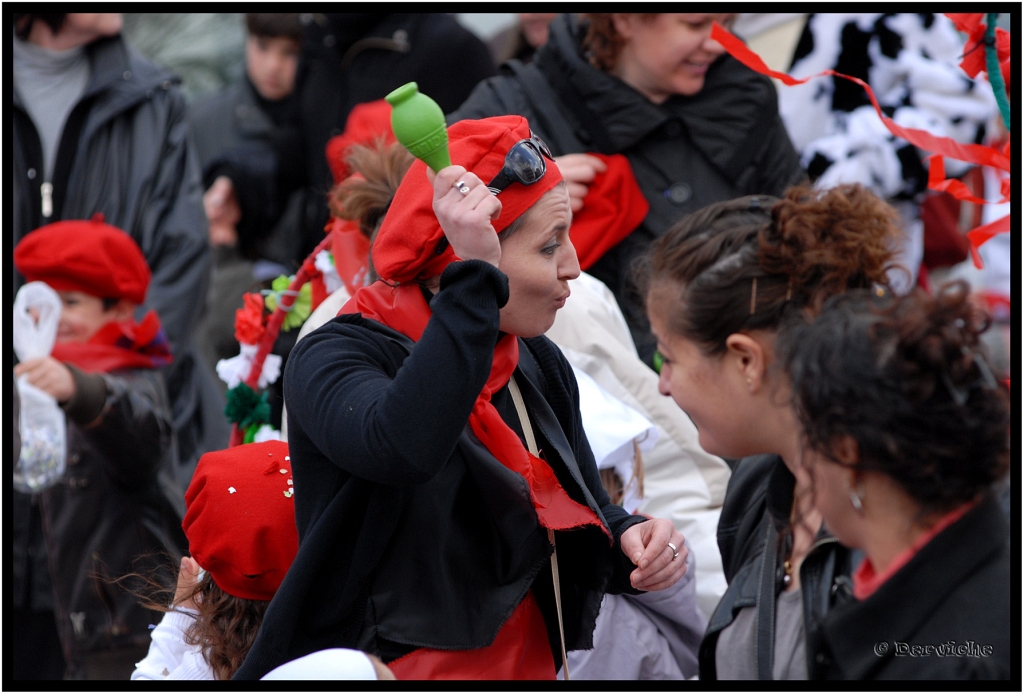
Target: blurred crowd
column 829, row 470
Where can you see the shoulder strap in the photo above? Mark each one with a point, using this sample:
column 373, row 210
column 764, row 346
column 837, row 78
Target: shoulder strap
column 531, row 442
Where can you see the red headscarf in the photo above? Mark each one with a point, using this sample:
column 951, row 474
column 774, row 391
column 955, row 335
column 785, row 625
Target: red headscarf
column 405, row 250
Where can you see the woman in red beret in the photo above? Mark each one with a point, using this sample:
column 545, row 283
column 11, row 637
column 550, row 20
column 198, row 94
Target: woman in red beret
column 444, row 488
column 116, row 509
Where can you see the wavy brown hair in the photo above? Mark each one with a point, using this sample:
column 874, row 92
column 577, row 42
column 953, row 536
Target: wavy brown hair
column 907, row 379
column 601, row 43
column 225, row 627
column 366, row 198
column 749, row 263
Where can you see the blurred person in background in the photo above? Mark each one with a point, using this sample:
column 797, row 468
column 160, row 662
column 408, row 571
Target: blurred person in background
column 98, row 128
column 696, row 125
column 246, row 123
column 349, row 59
column 116, row 508
column 521, row 40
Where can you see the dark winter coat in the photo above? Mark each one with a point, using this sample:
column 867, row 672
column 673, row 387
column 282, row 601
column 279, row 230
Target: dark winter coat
column 757, row 507
column 690, row 151
column 126, row 152
column 234, row 125
column 954, row 594
column 411, row 533
column 349, row 59
column 117, row 510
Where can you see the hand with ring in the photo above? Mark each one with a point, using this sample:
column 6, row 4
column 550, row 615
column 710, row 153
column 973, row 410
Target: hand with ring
column 657, row 549
column 465, row 210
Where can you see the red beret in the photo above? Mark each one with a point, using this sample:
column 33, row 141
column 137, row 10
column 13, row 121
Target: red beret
column 366, row 122
column 86, row 256
column 405, row 246
column 240, row 518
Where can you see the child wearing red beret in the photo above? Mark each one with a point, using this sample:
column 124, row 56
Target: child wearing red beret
column 240, row 524
column 116, row 509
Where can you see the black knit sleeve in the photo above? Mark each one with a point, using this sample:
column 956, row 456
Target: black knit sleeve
column 392, row 422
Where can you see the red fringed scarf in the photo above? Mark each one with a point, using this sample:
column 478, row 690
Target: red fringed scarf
column 126, row 345
column 404, row 309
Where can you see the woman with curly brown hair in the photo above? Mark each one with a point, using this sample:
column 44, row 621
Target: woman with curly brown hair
column 907, row 431
column 720, row 286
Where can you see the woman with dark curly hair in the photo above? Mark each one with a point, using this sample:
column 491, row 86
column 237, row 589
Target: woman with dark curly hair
column 908, row 433
column 720, row 286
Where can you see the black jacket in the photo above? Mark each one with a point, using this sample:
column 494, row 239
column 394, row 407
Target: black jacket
column 686, row 153
column 757, row 506
column 126, row 152
column 953, row 594
column 411, row 534
column 117, row 510
column 348, row 59
column 236, row 127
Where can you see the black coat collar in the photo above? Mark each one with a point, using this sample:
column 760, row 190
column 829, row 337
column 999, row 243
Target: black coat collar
column 911, row 596
column 733, row 101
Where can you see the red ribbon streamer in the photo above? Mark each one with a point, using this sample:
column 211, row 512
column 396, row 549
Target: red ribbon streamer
column 970, row 153
column 980, row 235
column 937, row 181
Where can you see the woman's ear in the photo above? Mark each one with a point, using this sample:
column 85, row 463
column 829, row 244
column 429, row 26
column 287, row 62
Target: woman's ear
column 748, row 355
column 623, row 24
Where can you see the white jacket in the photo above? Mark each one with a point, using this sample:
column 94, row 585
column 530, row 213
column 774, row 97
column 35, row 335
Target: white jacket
column 169, row 657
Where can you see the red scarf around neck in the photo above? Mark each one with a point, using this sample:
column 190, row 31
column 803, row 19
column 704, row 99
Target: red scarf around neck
column 403, row 308
column 125, row 345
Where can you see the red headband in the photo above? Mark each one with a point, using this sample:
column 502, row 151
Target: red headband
column 86, row 256
column 240, row 518
column 405, row 248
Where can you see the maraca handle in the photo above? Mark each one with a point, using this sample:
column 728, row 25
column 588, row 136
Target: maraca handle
column 419, row 125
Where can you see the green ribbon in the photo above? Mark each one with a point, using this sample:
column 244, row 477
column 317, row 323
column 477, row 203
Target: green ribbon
column 300, row 310
column 995, row 73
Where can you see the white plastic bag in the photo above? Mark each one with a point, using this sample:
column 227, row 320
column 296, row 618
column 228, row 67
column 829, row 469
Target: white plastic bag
column 43, row 428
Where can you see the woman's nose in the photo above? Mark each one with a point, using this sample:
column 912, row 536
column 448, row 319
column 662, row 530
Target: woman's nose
column 663, row 386
column 569, row 268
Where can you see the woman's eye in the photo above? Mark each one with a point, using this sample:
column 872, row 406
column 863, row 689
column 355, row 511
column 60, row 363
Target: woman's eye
column 550, row 250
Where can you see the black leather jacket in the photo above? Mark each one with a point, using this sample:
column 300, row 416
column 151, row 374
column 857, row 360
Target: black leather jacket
column 757, row 507
column 117, row 510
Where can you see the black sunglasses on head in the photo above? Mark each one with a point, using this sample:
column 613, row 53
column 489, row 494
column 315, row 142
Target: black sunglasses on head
column 524, row 164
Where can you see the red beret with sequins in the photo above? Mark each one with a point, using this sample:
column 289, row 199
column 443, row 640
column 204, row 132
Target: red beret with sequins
column 240, row 518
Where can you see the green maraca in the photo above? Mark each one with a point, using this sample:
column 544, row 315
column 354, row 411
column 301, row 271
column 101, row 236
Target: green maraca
column 418, row 123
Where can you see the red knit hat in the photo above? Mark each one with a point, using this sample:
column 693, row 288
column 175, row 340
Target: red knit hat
column 86, row 256
column 240, row 518
column 405, row 248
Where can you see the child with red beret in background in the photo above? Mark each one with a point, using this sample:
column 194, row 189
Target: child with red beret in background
column 240, row 524
column 116, row 510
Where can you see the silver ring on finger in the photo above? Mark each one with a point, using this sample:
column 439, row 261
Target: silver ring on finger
column 461, row 187
column 675, row 552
